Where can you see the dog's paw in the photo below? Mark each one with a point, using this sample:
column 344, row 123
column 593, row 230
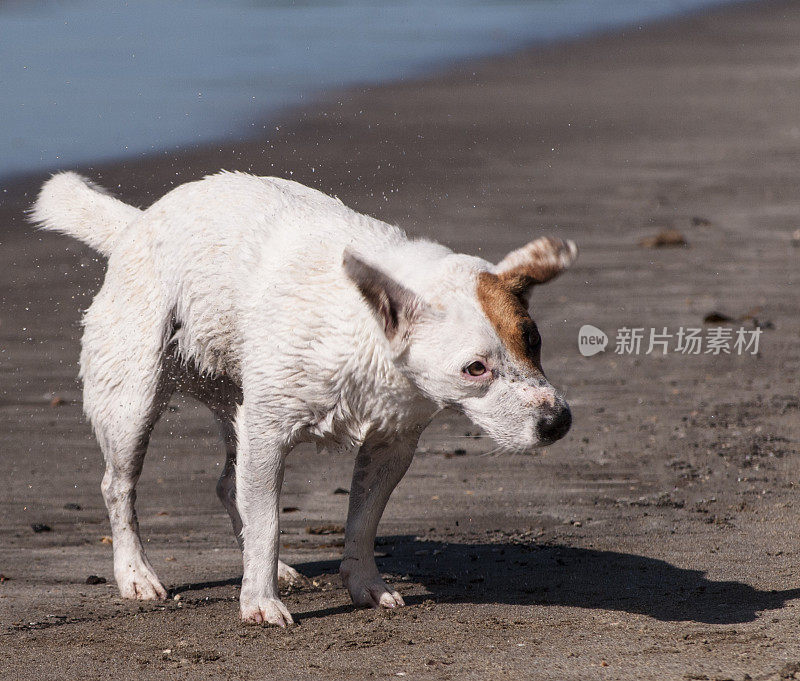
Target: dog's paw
column 266, row 611
column 288, row 575
column 372, row 592
column 138, row 581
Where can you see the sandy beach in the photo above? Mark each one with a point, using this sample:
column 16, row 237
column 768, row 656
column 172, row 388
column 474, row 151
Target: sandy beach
column 658, row 540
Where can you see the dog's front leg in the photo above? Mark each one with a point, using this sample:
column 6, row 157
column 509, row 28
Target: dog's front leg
column 259, row 476
column 379, row 467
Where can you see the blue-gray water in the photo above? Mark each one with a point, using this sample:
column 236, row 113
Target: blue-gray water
column 90, row 80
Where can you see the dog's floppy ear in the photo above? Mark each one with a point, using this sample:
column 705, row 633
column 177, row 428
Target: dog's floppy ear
column 395, row 306
column 535, row 263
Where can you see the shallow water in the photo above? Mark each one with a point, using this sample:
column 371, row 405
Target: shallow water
column 96, row 80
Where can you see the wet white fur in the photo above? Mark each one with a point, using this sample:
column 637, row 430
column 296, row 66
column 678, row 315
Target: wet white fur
column 235, row 283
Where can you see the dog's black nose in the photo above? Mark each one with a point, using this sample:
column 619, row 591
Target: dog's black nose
column 554, row 422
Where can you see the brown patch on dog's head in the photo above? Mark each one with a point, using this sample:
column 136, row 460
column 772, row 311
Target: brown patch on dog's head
column 510, row 319
column 503, row 295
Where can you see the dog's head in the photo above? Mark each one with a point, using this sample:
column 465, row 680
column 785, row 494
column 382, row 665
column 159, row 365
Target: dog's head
column 462, row 334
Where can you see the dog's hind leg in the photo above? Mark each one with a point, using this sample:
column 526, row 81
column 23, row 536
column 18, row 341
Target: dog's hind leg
column 226, row 485
column 379, row 467
column 226, row 491
column 126, row 387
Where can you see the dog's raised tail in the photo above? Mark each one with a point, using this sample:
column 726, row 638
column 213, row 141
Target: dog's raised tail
column 74, row 205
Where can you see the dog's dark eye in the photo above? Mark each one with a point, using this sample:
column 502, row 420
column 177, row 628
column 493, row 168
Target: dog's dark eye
column 476, row 369
column 533, row 341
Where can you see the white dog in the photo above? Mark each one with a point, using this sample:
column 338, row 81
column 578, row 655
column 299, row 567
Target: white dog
column 295, row 319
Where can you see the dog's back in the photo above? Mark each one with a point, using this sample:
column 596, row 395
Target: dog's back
column 219, row 250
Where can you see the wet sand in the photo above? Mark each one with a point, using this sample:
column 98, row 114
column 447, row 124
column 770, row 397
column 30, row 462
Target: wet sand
column 658, row 540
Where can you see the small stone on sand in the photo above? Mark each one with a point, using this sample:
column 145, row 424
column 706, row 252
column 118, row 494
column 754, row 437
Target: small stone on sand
column 665, row 239
column 717, row 318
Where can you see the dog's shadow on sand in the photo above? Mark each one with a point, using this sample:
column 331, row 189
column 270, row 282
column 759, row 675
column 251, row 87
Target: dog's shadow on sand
column 523, row 574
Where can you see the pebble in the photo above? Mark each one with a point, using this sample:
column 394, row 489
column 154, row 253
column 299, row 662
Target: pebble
column 717, row 318
column 666, row 238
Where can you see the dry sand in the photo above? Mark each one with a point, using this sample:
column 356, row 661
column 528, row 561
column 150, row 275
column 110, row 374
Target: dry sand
column 659, row 540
